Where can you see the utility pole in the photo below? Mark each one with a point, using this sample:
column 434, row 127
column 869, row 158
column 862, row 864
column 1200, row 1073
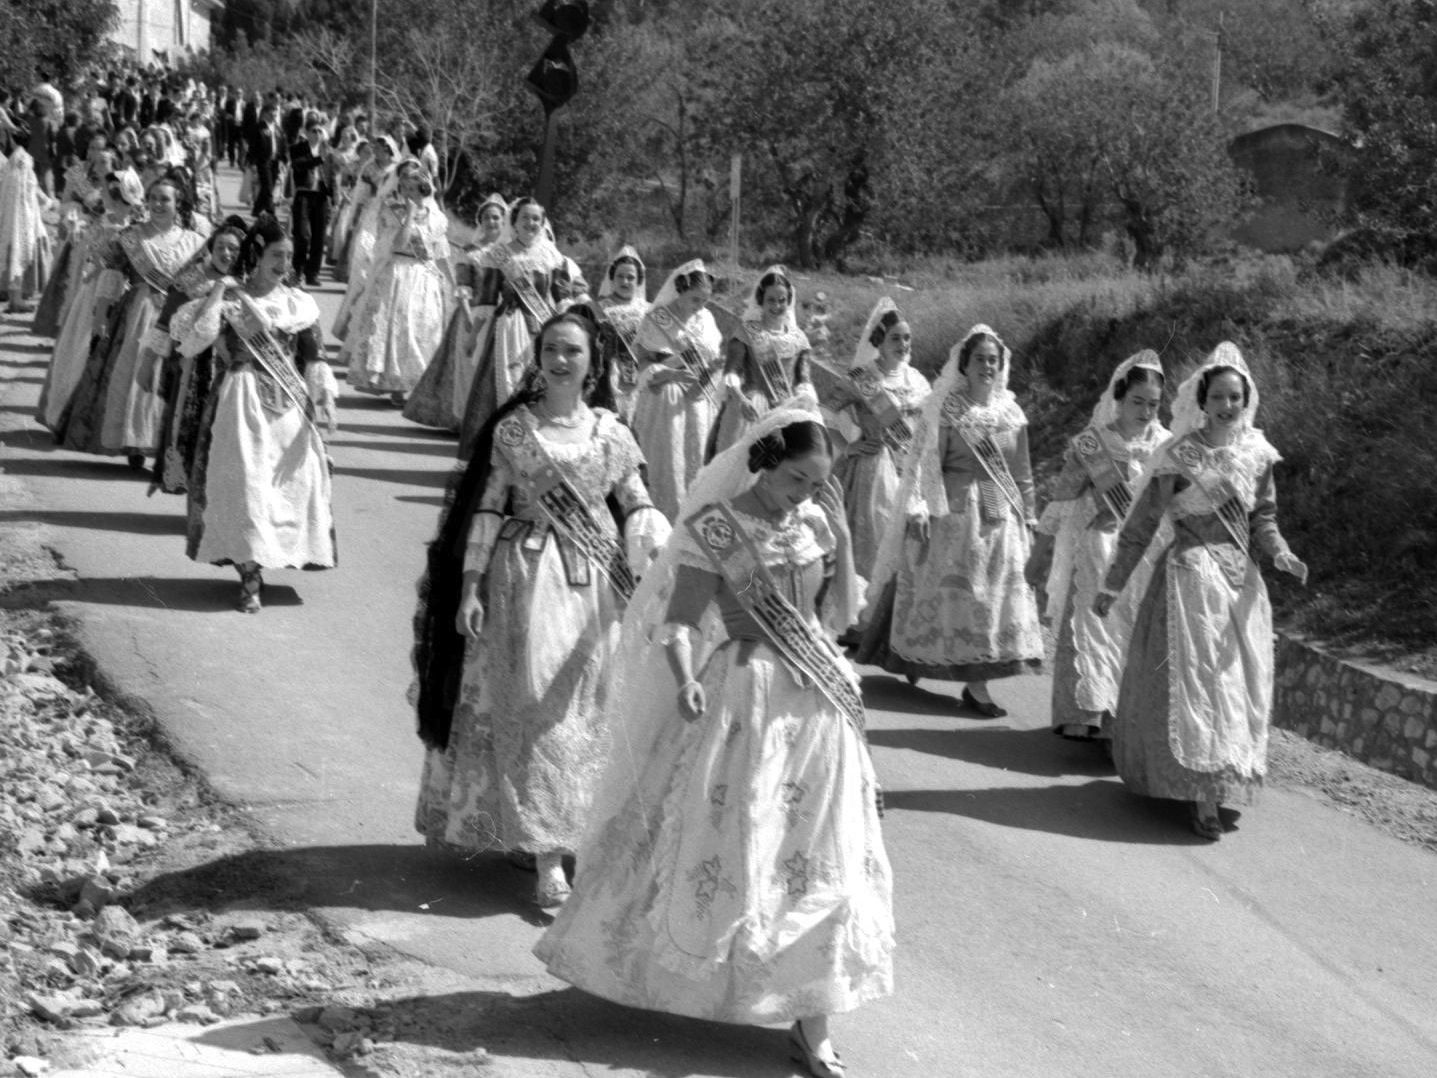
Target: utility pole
column 373, row 51
column 1217, row 63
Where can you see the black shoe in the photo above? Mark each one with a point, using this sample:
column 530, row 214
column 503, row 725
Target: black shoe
column 312, row 282
column 989, row 710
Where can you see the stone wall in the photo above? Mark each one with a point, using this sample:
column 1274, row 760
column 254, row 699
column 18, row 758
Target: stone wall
column 1381, row 717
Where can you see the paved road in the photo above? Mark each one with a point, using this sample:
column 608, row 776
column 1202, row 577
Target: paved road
column 1050, row 923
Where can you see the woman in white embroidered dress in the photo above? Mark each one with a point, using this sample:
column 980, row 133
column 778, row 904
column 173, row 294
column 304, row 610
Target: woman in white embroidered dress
column 525, row 281
column 517, row 624
column 259, row 488
column 116, row 407
column 1193, row 710
column 401, row 318
column 873, row 441
column 1079, row 532
column 623, row 302
column 953, row 602
column 376, row 186
column 83, row 203
column 735, row 867
column 25, row 250
column 124, row 198
column 443, row 391
column 677, row 405
column 766, row 362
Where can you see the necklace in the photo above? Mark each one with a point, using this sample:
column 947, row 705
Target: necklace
column 570, row 422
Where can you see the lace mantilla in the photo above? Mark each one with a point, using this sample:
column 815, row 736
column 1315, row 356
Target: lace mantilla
column 963, row 413
column 1238, row 466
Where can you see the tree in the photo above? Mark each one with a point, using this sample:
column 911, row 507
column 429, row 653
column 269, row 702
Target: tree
column 58, row 37
column 1389, row 88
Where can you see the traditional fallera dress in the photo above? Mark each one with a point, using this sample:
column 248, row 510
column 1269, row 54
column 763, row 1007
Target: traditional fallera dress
column 1091, row 497
column 443, row 390
column 958, row 607
column 401, row 318
column 72, row 346
column 673, row 424
column 259, row 489
column 766, row 367
column 375, row 187
column 185, row 382
column 880, row 411
column 527, row 739
column 81, row 204
column 116, row 407
column 525, row 285
column 26, row 253
column 735, row 869
column 1193, row 708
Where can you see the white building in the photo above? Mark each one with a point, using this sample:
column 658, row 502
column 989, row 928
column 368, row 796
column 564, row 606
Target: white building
column 148, row 27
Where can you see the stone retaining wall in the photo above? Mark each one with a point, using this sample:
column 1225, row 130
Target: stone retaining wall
column 1381, row 717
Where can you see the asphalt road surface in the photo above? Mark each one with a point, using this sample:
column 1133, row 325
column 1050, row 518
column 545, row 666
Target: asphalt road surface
column 1050, row 923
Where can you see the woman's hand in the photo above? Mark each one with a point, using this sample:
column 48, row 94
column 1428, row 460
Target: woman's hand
column 684, row 379
column 691, row 700
column 1103, row 603
column 748, row 409
column 1293, row 565
column 865, row 447
column 470, row 619
column 248, row 322
column 918, row 527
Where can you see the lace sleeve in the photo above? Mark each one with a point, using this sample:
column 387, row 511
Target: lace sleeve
column 195, row 326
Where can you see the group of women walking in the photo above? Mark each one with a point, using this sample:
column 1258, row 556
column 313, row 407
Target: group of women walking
column 179, row 342
column 667, row 524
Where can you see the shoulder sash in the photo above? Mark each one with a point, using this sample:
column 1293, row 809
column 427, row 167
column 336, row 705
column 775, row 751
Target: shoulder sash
column 1110, row 480
column 884, row 405
column 519, row 280
column 1227, row 505
column 566, row 510
column 995, row 465
column 143, row 261
column 686, row 350
column 721, row 536
column 274, row 360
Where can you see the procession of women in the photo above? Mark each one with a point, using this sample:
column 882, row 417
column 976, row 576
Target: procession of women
column 674, row 532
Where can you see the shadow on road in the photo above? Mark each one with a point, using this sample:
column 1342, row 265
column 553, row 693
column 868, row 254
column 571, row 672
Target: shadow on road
column 1103, row 810
column 134, row 523
column 167, row 593
column 567, row 1026
column 407, row 879
column 410, row 477
column 433, row 449
column 1028, row 752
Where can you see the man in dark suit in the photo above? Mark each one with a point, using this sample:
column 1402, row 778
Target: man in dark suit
column 148, row 101
column 266, row 153
column 309, row 170
column 125, row 105
column 249, row 122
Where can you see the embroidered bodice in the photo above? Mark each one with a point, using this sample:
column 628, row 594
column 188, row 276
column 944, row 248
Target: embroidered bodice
column 552, row 275
column 1129, row 458
column 166, row 251
column 661, row 331
column 908, row 388
column 963, row 421
column 606, row 462
column 626, row 317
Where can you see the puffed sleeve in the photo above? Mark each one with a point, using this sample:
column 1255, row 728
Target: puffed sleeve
column 1140, row 527
column 195, row 326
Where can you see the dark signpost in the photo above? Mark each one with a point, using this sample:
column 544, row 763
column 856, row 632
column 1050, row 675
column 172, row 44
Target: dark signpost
column 554, row 78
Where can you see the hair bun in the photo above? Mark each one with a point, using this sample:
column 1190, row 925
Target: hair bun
column 766, row 453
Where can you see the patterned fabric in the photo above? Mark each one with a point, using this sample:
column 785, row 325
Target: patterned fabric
column 116, row 407
column 527, row 742
column 775, row 350
column 868, row 471
column 1201, row 662
column 400, row 322
column 745, row 879
column 1088, row 663
column 673, row 424
column 259, row 489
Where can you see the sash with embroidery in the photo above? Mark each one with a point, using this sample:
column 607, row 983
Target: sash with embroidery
column 1001, row 483
column 142, row 261
column 1107, row 476
column 621, row 347
column 722, row 537
column 772, row 375
column 688, row 353
column 885, row 407
column 1227, row 505
column 537, row 305
column 566, row 510
column 272, row 358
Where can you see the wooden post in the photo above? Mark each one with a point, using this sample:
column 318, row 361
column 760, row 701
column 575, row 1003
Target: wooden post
column 546, row 162
column 373, row 66
column 735, row 196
